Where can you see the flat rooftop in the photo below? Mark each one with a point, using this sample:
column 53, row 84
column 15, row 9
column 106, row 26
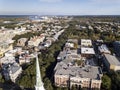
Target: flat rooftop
column 85, row 50
column 103, row 48
column 64, row 68
column 7, row 60
column 86, row 41
column 112, row 59
column 14, row 67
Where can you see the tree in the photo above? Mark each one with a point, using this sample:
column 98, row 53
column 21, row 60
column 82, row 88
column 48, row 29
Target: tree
column 115, row 78
column 48, row 85
column 73, row 87
column 106, row 82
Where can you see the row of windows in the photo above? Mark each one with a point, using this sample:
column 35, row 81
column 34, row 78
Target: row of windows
column 61, row 80
column 94, row 85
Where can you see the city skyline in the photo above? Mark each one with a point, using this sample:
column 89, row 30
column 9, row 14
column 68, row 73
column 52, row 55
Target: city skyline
column 60, row 7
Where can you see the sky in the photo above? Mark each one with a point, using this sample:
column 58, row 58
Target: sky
column 60, row 7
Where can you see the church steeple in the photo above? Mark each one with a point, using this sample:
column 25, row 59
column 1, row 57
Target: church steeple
column 39, row 83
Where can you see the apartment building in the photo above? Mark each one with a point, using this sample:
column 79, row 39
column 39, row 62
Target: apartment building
column 4, row 47
column 6, row 60
column 72, row 68
column 111, row 62
column 87, row 52
column 87, row 49
column 68, row 75
column 36, row 40
column 86, row 42
column 11, row 71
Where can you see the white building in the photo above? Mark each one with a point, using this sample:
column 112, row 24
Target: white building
column 5, row 46
column 103, row 49
column 87, row 52
column 68, row 44
column 86, row 42
column 12, row 53
column 6, row 60
column 36, row 40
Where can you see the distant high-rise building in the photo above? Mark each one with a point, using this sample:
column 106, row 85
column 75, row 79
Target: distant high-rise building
column 39, row 83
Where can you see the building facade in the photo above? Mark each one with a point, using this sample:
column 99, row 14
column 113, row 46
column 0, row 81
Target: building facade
column 36, row 40
column 111, row 62
column 68, row 75
column 86, row 42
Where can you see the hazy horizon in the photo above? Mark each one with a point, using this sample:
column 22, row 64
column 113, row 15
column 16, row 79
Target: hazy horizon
column 59, row 7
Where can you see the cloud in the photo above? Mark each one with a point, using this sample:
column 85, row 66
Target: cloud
column 50, row 1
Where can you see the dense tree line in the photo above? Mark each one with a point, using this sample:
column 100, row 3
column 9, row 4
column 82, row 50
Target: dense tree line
column 111, row 81
column 115, row 79
column 106, row 18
